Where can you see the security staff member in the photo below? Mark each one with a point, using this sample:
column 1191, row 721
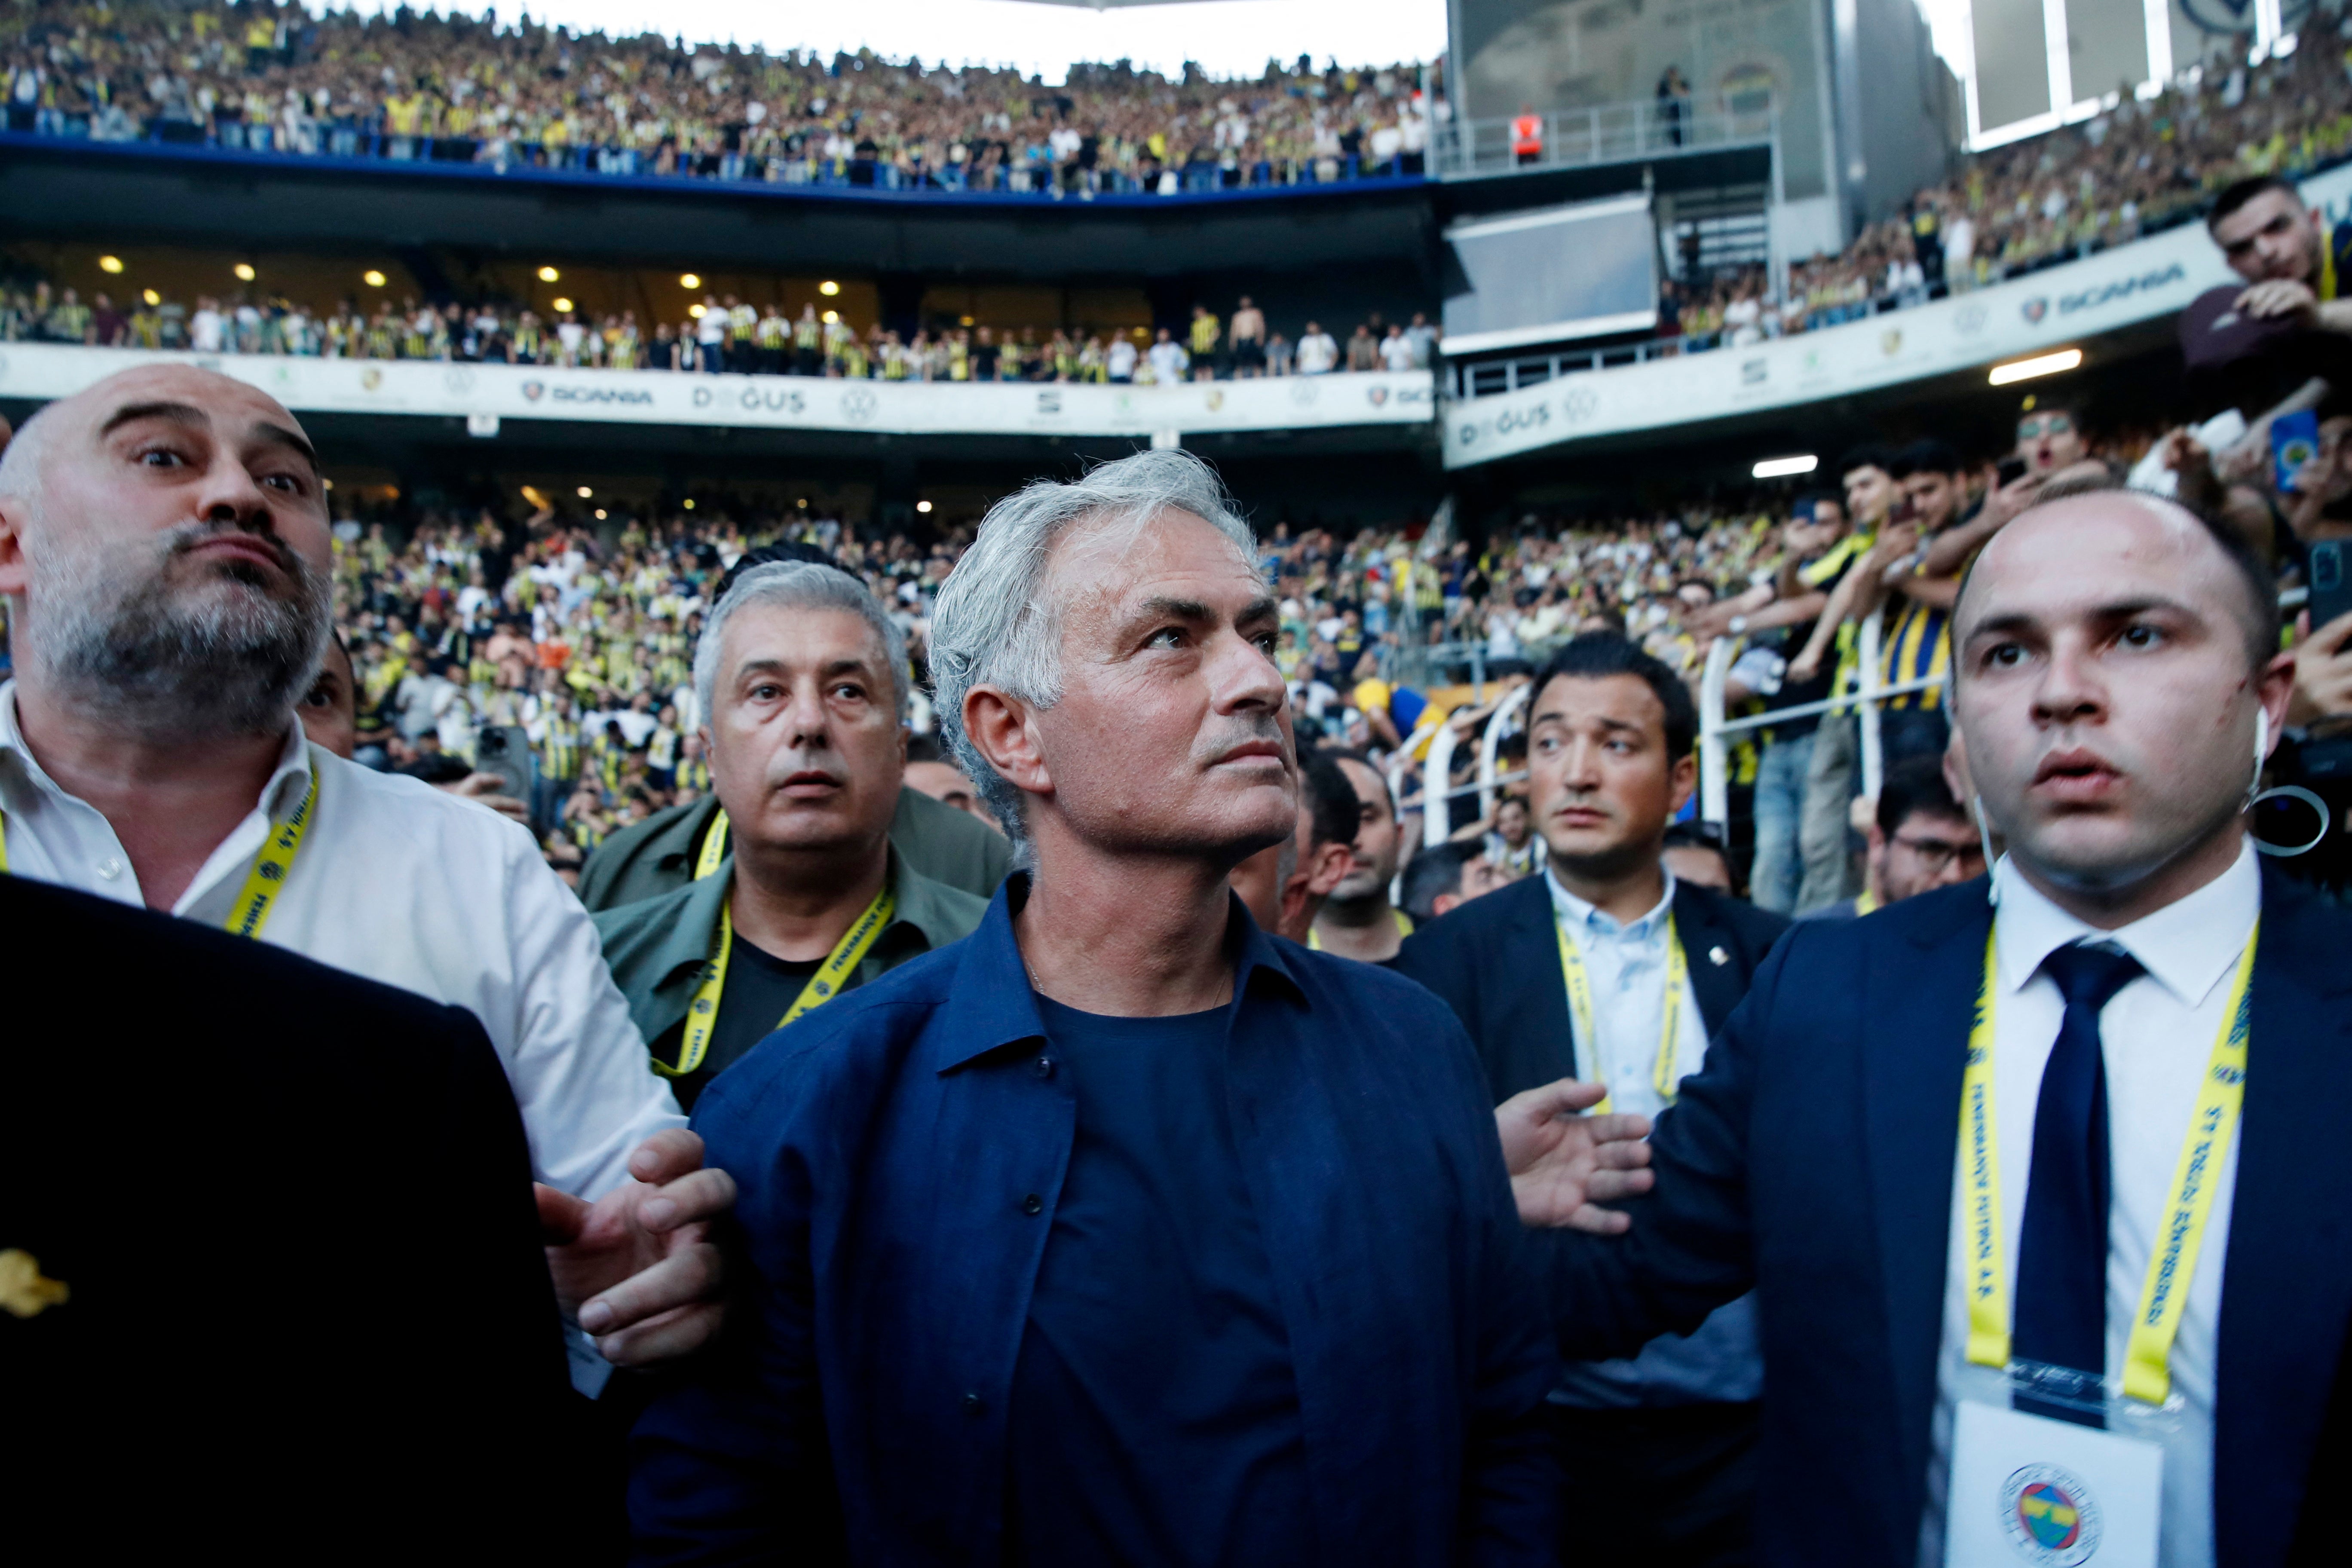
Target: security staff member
column 802, row 678
column 1608, row 967
column 2038, row 1186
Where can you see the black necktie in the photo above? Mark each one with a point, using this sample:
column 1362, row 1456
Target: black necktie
column 2061, row 1249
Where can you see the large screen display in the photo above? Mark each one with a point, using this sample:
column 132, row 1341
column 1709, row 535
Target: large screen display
column 1551, row 274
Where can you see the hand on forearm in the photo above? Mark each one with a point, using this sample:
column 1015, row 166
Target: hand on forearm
column 639, row 1268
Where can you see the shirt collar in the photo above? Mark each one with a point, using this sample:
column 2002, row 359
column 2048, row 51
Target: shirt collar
column 2177, row 944
column 289, row 781
column 1577, row 914
column 997, row 1007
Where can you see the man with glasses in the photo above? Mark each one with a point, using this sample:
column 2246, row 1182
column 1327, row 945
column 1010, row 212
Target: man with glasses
column 1922, row 838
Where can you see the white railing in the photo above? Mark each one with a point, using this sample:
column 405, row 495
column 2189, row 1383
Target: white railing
column 1437, row 769
column 1870, row 694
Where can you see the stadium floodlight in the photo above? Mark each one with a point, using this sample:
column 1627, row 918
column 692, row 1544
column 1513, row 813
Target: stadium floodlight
column 560, row 304
column 922, row 506
column 689, row 280
column 689, row 503
column 372, row 277
column 548, row 275
column 1786, row 467
column 828, row 288
column 109, row 264
column 152, row 297
column 2040, row 364
column 694, row 310
column 600, row 514
column 585, row 492
column 831, row 317
column 244, row 270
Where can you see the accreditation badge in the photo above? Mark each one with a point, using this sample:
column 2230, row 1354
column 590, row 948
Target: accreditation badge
column 2046, row 1491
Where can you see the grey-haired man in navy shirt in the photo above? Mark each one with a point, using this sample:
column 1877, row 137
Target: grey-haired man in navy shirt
column 1121, row 1231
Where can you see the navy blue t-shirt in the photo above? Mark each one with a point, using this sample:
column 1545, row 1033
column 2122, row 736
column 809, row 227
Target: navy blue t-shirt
column 1154, row 1312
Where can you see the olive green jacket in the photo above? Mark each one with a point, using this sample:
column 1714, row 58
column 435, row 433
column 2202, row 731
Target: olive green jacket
column 656, row 947
column 657, row 856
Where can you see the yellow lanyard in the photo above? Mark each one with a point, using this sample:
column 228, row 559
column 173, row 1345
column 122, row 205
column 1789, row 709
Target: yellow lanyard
column 263, row 882
column 714, row 847
column 1662, row 1077
column 702, row 1016
column 1404, row 925
column 2147, row 1355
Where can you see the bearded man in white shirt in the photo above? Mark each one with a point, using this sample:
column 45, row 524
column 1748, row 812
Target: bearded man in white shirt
column 165, row 548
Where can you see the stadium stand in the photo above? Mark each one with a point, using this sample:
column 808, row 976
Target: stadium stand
column 407, row 87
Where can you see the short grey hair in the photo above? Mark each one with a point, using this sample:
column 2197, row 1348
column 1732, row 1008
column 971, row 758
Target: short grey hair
column 992, row 625
column 798, row 586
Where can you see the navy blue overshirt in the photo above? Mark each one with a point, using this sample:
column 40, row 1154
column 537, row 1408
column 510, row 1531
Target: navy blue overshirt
column 1155, row 1209
column 913, row 1172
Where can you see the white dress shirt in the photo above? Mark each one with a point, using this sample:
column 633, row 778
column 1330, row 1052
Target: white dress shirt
column 2157, row 1039
column 1625, row 963
column 400, row 883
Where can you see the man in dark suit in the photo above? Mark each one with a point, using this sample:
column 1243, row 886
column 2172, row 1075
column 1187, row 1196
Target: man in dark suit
column 2043, row 1196
column 270, row 1263
column 1605, row 966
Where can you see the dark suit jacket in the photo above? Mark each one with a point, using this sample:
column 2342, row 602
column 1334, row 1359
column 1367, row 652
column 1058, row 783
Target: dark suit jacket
column 1812, row 1160
column 309, row 1310
column 1496, row 960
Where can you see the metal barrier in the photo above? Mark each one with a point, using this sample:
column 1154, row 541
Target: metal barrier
column 1437, row 769
column 1646, row 130
column 1868, row 696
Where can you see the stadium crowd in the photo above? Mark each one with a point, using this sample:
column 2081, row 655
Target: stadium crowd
column 722, row 334
column 2140, row 166
column 1013, row 1077
column 411, row 85
column 408, row 86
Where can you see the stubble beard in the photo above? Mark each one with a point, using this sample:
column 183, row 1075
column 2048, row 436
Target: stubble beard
column 170, row 651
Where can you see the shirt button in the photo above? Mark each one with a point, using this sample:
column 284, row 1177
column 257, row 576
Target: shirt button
column 973, row 1405
column 1044, row 1067
column 1033, row 1204
column 109, row 867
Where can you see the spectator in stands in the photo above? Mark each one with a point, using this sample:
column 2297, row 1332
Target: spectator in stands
column 1610, row 969
column 1184, row 1374
column 1284, row 886
column 801, row 678
column 1363, row 350
column 1920, row 838
column 2289, row 256
column 1514, row 846
column 1916, row 646
column 1442, row 879
column 163, row 547
column 1693, row 852
column 1396, row 350
column 1318, row 354
column 1869, row 497
column 1357, row 921
column 1817, row 551
column 1167, row 359
column 1248, row 335
column 1280, row 356
column 1204, row 344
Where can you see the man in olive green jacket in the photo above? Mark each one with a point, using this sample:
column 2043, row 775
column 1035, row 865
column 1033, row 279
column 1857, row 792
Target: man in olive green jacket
column 658, row 854
column 658, row 948
column 802, row 679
